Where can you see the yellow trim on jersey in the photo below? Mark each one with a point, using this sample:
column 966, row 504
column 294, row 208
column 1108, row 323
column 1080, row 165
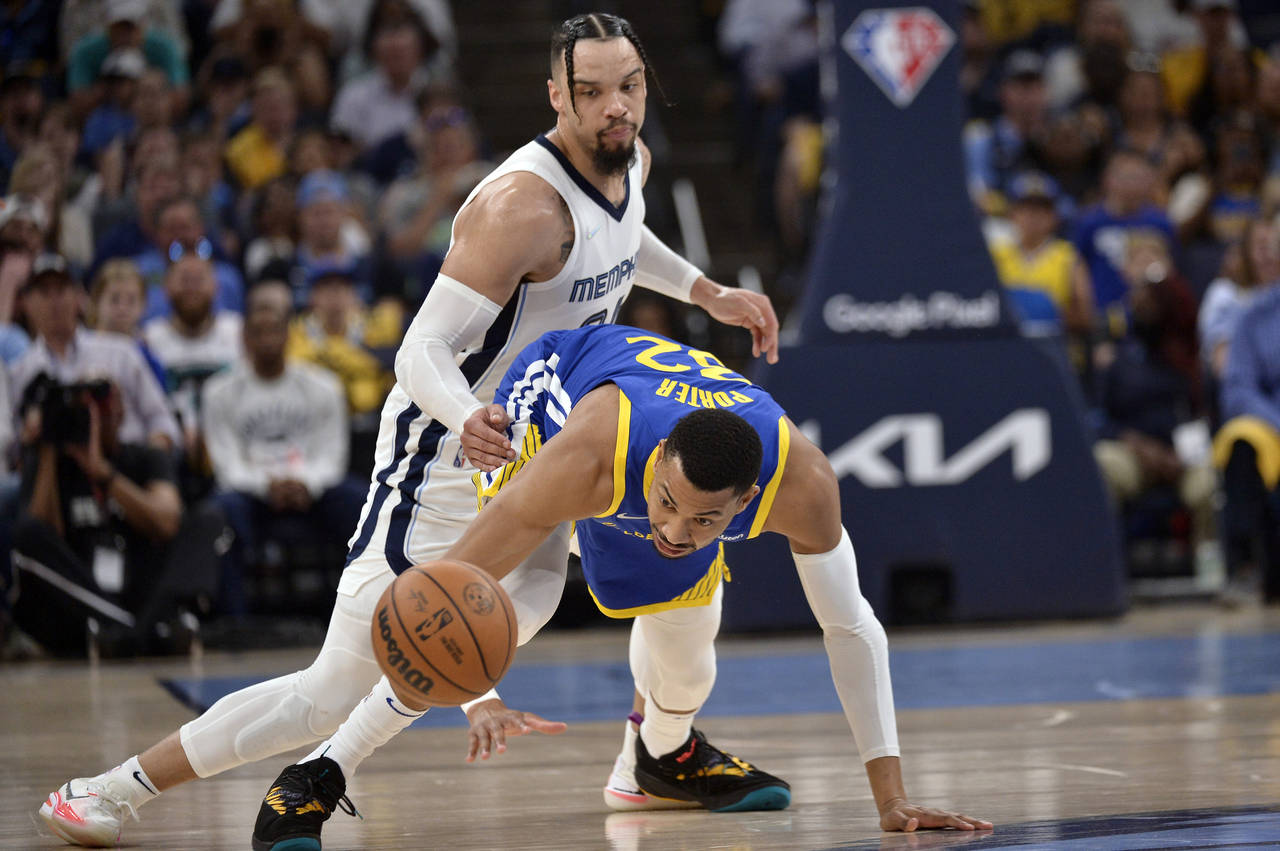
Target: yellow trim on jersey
column 498, row 478
column 620, row 454
column 771, row 489
column 648, row 471
column 699, row 595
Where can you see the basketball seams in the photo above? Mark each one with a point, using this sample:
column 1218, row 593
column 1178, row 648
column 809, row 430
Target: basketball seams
column 484, row 663
column 512, row 626
column 409, row 639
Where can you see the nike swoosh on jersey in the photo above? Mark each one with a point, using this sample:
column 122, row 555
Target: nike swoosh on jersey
column 630, row 517
column 592, row 233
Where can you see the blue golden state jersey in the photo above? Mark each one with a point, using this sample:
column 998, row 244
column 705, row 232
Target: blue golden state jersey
column 659, row 381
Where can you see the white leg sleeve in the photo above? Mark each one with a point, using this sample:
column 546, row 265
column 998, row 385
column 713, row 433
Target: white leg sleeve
column 856, row 646
column 673, row 655
column 296, row 709
column 374, row 722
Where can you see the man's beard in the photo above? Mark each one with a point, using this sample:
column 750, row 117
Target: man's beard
column 609, row 161
column 193, row 315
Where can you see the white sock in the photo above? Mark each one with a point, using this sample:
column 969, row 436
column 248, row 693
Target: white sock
column 629, row 733
column 372, row 724
column 663, row 732
column 130, row 783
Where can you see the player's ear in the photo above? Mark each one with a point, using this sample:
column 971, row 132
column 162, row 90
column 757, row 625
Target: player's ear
column 553, row 93
column 661, row 452
column 745, row 500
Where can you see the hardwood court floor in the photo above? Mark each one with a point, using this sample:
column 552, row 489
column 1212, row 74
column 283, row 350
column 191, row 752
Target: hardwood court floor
column 983, row 725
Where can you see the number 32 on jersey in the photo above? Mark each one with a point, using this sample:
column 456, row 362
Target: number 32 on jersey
column 678, row 359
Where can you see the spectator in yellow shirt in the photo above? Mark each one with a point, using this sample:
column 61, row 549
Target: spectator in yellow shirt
column 1037, row 266
column 1185, row 69
column 356, row 344
column 259, row 152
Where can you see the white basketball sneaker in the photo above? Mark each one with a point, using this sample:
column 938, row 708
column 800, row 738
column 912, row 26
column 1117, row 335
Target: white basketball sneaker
column 623, row 793
column 88, row 811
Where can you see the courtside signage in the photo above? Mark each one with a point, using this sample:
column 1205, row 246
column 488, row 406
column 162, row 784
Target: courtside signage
column 1024, row 433
column 898, row 48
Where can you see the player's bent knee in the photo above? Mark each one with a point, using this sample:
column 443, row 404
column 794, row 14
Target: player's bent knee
column 284, row 727
column 336, row 681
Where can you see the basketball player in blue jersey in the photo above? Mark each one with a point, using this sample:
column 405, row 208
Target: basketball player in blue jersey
column 657, row 454
column 553, row 239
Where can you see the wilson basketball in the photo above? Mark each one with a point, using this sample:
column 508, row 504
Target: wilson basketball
column 444, row 633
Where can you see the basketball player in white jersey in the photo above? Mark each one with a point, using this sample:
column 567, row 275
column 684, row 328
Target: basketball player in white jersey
column 553, row 239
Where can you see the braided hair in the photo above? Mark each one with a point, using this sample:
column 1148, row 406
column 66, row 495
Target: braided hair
column 600, row 25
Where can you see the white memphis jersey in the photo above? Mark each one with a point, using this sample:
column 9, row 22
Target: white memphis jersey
column 421, row 479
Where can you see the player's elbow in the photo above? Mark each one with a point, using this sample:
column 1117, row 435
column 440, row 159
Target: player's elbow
column 816, row 505
column 860, row 626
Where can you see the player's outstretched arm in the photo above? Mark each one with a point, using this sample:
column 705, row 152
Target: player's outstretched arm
column 734, row 306
column 570, row 477
column 807, row 511
column 662, row 270
column 510, row 232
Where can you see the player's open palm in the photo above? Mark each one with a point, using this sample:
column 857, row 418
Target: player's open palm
column 492, row 721
column 484, row 438
column 905, row 816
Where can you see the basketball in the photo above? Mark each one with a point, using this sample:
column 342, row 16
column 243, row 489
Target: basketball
column 444, row 633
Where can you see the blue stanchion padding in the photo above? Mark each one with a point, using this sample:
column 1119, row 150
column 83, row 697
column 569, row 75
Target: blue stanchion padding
column 966, row 476
column 969, row 459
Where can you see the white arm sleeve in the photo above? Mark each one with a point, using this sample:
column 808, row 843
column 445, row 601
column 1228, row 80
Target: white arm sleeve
column 452, row 316
column 660, row 269
column 856, row 646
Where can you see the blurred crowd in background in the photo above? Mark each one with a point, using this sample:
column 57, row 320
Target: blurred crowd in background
column 219, row 215
column 1125, row 159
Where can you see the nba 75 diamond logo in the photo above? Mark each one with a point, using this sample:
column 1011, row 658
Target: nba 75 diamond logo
column 898, row 48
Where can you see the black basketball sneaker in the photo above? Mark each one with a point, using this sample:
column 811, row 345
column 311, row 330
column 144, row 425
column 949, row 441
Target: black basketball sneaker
column 699, row 771
column 298, row 804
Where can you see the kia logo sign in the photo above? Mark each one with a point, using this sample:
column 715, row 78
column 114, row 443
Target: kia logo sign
column 1025, row 434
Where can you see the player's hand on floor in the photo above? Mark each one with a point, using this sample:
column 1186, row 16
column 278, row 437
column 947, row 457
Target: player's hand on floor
column 905, row 816
column 491, row 723
column 484, row 438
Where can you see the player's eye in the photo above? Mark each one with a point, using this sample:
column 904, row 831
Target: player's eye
column 704, row 522
column 665, row 502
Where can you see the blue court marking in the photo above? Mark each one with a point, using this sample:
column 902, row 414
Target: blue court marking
column 1235, row 827
column 976, row 675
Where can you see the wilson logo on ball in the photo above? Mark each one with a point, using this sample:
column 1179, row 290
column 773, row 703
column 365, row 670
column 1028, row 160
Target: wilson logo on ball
column 397, row 661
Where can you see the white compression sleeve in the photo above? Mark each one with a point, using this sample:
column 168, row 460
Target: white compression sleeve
column 452, row 317
column 856, row 646
column 660, row 269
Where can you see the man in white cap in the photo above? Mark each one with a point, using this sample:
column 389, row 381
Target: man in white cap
column 126, row 28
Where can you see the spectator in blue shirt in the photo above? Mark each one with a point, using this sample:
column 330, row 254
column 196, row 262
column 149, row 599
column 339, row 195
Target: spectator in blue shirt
column 113, row 119
column 1102, row 232
column 995, row 152
column 180, row 230
column 1248, row 448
